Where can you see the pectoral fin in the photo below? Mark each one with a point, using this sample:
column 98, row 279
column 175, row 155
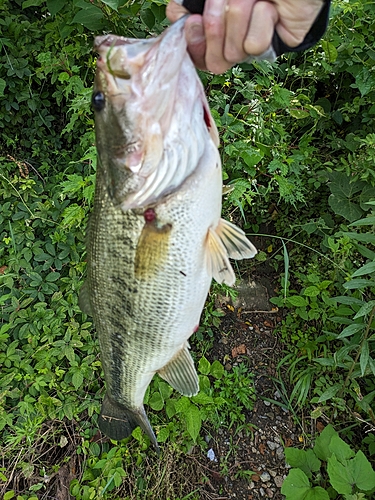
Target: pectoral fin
column 180, row 373
column 227, row 241
column 235, row 241
column 118, row 422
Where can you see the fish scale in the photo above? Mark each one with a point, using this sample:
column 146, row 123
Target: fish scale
column 155, row 237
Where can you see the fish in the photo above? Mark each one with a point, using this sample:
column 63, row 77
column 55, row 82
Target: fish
column 155, row 238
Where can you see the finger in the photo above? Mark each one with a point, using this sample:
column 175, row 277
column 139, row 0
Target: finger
column 238, row 14
column 262, row 24
column 175, row 11
column 214, row 29
column 196, row 40
column 292, row 28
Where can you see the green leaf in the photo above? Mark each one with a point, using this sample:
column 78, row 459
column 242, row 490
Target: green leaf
column 368, row 221
column 362, row 472
column 330, row 393
column 193, row 421
column 366, row 269
column 31, row 3
column 217, row 369
column 321, row 447
column 156, row 401
column 2, row 87
column 299, row 114
column 54, row 6
column 363, row 237
column 91, row 17
column 317, row 493
column 364, row 358
column 365, row 81
column 350, row 330
column 53, row 276
column 163, row 434
column 111, row 3
column 77, row 379
column 297, row 301
column 365, row 309
column 307, row 461
column 342, row 450
column 311, row 291
column 358, row 283
column 148, row 18
column 296, row 485
column 330, row 51
column 204, row 366
column 340, row 476
column 8, row 495
column 343, row 206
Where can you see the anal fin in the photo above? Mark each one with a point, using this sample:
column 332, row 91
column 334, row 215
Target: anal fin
column 180, row 373
column 118, row 422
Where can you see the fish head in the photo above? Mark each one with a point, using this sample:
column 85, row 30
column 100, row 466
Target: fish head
column 135, row 89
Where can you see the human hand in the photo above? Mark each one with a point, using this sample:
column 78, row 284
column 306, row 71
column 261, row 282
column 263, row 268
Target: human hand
column 230, row 30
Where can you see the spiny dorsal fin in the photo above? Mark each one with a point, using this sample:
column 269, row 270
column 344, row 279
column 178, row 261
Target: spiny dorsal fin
column 235, row 241
column 218, row 261
column 180, row 373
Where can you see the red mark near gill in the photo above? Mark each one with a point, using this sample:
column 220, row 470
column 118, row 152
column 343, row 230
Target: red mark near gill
column 196, row 328
column 149, row 215
column 206, row 117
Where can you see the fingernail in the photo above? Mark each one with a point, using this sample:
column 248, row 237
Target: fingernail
column 195, row 33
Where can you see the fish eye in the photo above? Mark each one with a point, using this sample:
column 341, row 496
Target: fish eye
column 98, row 101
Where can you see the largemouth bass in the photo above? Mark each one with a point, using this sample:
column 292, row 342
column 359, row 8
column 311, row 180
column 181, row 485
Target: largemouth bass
column 155, row 237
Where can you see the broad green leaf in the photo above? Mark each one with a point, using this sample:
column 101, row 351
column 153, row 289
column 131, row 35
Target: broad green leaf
column 342, row 450
column 330, row 393
column 31, row 3
column 362, row 472
column 2, row 86
column 91, row 17
column 111, row 3
column 53, row 276
column 368, row 221
column 366, row 269
column 330, row 51
column 204, row 366
column 350, row 330
column 77, row 379
column 217, row 369
column 341, row 185
column 317, row 493
column 363, row 237
column 358, row 283
column 299, row 114
column 306, row 460
column 202, row 398
column 340, row 476
column 9, row 495
column 365, row 81
column 54, row 6
column 148, row 18
column 364, row 358
column 163, row 434
column 341, row 205
column 296, row 485
column 156, row 401
column 321, row 447
column 182, row 405
column 311, row 291
column 297, row 301
column 193, row 421
column 365, row 309
column 344, row 299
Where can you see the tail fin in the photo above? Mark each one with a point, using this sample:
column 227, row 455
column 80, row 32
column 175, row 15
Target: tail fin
column 117, row 422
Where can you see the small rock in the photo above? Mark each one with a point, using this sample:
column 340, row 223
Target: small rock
column 266, row 403
column 211, row 455
column 265, row 477
column 280, row 453
column 273, row 473
column 271, row 415
column 269, row 493
column 262, row 492
column 278, row 481
column 271, row 445
column 251, row 485
column 224, row 340
column 228, row 367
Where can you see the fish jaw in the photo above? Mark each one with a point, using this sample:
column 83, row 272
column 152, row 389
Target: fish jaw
column 155, row 119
